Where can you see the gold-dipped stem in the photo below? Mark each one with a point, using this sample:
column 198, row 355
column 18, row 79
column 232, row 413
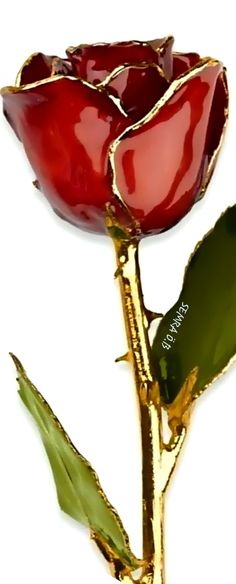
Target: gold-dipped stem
column 128, row 580
column 139, row 350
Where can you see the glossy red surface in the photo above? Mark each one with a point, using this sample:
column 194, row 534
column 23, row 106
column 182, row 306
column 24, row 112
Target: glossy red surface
column 66, row 129
column 138, row 88
column 183, row 61
column 160, row 166
column 95, row 62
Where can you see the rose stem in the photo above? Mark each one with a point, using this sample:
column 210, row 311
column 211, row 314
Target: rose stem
column 158, row 459
column 139, row 355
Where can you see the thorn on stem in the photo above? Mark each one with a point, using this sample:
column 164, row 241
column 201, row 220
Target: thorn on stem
column 118, row 272
column 151, row 316
column 124, row 357
column 36, row 184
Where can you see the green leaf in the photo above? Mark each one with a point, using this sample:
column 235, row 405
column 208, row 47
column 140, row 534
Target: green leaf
column 198, row 334
column 79, row 492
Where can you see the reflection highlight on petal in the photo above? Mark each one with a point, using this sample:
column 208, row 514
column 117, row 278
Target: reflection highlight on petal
column 66, row 128
column 166, row 151
column 107, row 126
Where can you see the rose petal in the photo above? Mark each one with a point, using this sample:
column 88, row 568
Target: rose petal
column 165, row 56
column 159, row 164
column 94, row 62
column 39, row 66
column 66, row 128
column 182, row 62
column 216, row 127
column 138, row 89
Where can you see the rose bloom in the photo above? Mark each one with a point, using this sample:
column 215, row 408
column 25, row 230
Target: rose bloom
column 132, row 124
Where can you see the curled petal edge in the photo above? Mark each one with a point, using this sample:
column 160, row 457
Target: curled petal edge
column 26, row 63
column 216, row 152
column 157, row 49
column 52, row 63
column 164, row 44
column 125, row 66
column 161, row 49
column 170, row 92
column 174, row 87
column 53, row 79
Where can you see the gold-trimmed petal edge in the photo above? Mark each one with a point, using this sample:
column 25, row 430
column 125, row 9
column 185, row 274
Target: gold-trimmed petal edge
column 172, row 89
column 25, row 64
column 35, row 84
column 166, row 41
column 72, row 49
column 141, row 65
column 170, row 92
column 181, row 53
column 57, row 77
column 215, row 153
column 14, row 89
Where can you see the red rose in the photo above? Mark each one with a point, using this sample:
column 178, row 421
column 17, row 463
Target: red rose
column 128, row 123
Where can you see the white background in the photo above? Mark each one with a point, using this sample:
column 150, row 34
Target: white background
column 60, row 313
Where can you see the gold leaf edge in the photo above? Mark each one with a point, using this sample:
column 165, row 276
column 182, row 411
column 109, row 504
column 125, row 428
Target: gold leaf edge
column 21, row 373
column 179, row 410
column 233, row 357
column 200, row 243
column 199, row 393
column 230, row 362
